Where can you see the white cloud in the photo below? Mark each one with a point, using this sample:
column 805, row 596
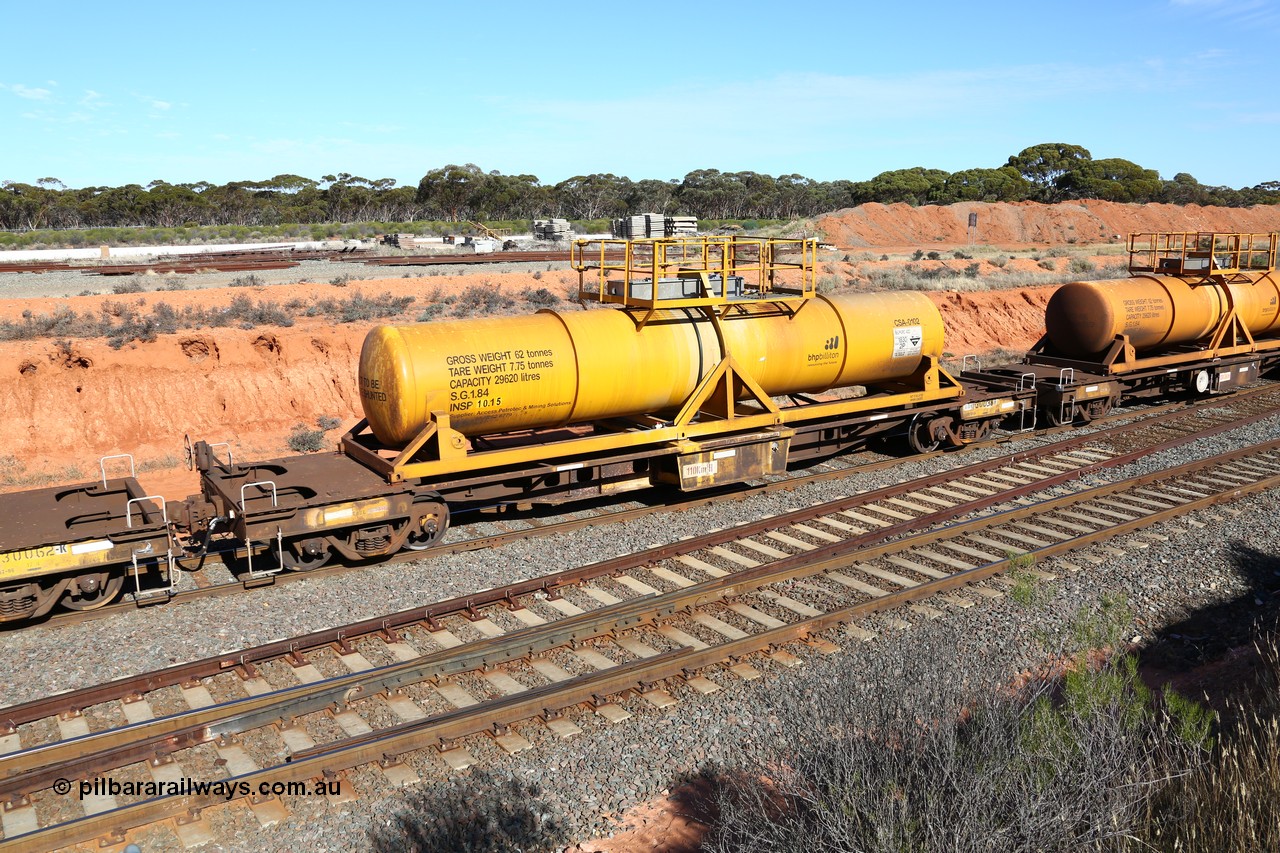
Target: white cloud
column 93, row 100
column 1243, row 13
column 28, row 92
column 160, row 105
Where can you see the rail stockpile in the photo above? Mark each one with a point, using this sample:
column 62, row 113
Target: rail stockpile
column 230, row 261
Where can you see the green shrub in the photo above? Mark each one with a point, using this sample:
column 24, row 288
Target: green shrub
column 304, row 440
column 360, row 308
column 130, row 285
column 478, row 814
column 922, row 752
column 827, row 284
column 482, row 299
column 541, row 297
column 432, row 311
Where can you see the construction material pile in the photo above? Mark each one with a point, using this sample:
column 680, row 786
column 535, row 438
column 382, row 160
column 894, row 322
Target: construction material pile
column 653, row 226
column 551, row 229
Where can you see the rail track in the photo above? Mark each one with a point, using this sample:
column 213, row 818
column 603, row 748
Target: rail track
column 219, row 580
column 267, row 259
column 544, row 652
column 552, row 255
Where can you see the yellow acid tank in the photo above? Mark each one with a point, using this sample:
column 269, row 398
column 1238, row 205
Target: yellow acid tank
column 555, row 368
column 1084, row 317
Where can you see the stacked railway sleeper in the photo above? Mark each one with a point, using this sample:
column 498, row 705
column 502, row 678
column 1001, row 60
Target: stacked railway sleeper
column 714, row 362
column 410, row 695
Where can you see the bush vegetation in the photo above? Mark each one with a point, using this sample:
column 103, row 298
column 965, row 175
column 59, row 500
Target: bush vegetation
column 123, row 322
column 303, row 439
column 915, row 750
column 478, row 814
column 446, row 199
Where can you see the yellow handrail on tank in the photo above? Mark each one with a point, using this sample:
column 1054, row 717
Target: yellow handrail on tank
column 692, row 272
column 1202, row 253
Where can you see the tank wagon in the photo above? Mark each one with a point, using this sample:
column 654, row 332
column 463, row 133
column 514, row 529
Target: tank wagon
column 1199, row 314
column 703, row 362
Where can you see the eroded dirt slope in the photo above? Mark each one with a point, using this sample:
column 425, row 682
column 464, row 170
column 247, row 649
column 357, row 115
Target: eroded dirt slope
column 1022, row 223
column 66, row 403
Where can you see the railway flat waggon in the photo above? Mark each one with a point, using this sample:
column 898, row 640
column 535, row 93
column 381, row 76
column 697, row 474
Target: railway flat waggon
column 699, row 362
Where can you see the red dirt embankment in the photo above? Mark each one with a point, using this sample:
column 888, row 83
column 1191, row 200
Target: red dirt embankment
column 66, row 405
column 985, row 321
column 1022, row 223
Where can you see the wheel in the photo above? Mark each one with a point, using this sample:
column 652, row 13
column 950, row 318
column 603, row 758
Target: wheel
column 922, row 435
column 89, row 592
column 305, row 555
column 430, row 529
column 1095, row 409
column 190, row 451
column 1055, row 417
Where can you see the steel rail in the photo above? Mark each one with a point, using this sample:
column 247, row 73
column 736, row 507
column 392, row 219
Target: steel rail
column 76, row 700
column 1148, row 417
column 388, row 743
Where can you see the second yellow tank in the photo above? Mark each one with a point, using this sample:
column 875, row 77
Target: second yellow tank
column 1084, row 317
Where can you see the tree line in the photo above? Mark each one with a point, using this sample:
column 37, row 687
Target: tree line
column 1050, row 172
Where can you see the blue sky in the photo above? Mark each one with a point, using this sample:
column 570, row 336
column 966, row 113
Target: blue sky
column 108, row 94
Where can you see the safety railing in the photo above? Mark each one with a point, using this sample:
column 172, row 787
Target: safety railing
column 1201, row 253
column 681, row 272
column 102, row 465
column 254, row 574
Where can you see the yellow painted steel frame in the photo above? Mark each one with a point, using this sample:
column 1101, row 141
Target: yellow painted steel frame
column 1202, row 253
column 715, row 398
column 1230, row 338
column 720, row 405
column 769, row 269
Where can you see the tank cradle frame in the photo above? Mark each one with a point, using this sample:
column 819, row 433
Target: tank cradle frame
column 82, row 543
column 1081, row 389
column 1199, row 258
column 728, row 409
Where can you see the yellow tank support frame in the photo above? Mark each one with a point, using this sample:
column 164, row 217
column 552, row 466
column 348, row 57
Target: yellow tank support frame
column 714, row 275
column 1207, row 254
column 1202, row 258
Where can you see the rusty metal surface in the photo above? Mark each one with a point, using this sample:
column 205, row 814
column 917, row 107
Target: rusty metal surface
column 83, row 698
column 483, row 258
column 395, row 740
column 63, row 514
